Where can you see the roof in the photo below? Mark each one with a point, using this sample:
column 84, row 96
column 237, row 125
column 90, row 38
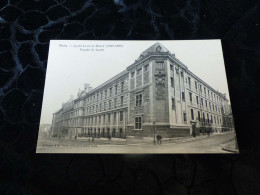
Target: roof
column 153, row 48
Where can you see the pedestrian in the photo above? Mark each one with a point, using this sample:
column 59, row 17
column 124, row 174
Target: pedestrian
column 159, row 139
column 75, row 137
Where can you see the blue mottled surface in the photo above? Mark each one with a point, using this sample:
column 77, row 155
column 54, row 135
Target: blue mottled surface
column 25, row 30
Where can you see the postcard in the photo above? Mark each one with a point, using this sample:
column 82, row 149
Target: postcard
column 136, row 97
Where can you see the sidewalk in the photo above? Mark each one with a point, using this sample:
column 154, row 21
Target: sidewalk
column 131, row 140
column 230, row 147
column 149, row 140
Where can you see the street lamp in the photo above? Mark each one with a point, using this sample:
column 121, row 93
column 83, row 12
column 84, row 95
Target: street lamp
column 154, row 123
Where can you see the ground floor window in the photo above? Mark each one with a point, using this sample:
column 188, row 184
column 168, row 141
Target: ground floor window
column 138, row 123
column 184, row 117
column 120, row 132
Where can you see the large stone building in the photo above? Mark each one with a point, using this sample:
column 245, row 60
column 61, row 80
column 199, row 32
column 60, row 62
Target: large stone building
column 156, row 92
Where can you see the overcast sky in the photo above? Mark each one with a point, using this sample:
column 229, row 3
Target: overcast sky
column 70, row 67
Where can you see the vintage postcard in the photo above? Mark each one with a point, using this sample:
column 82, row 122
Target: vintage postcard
column 136, row 97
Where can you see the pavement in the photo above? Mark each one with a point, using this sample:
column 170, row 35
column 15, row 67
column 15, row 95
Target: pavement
column 231, row 147
column 200, row 144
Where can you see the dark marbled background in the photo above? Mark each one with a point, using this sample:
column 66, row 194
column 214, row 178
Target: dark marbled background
column 26, row 26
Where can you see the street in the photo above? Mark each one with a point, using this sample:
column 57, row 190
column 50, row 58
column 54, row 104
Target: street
column 199, row 144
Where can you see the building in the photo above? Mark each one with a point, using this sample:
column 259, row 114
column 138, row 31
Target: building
column 156, row 92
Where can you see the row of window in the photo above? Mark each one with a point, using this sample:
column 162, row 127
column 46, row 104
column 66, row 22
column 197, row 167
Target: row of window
column 104, row 94
column 97, row 119
column 139, row 71
column 98, row 107
column 217, row 119
column 188, row 81
column 211, row 106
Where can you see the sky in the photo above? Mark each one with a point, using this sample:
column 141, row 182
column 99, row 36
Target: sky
column 73, row 63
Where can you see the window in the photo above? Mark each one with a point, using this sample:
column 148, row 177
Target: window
column 122, row 100
column 114, row 116
column 138, row 123
column 184, row 117
column 181, row 74
column 116, row 89
column 139, row 71
column 121, row 116
column 206, row 103
column 177, row 70
column 201, row 101
column 211, row 119
column 208, row 93
column 172, row 82
column 189, row 82
column 183, row 96
column 196, row 86
column 213, row 106
column 171, row 67
column 104, row 105
column 105, row 93
column 132, row 74
column 109, row 117
column 197, row 99
column 110, row 91
column 96, row 108
column 199, row 115
column 122, row 87
column 205, row 91
column 101, row 93
column 200, row 89
column 146, row 67
column 209, row 105
column 190, row 97
column 173, row 103
column 208, row 117
column 203, row 117
column 109, row 104
column 97, row 96
column 192, row 115
column 115, row 102
column 159, row 65
column 138, row 100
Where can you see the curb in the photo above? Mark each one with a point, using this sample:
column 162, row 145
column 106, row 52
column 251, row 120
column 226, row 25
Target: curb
column 230, row 150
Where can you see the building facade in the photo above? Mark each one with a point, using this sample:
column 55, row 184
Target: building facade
column 156, row 93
